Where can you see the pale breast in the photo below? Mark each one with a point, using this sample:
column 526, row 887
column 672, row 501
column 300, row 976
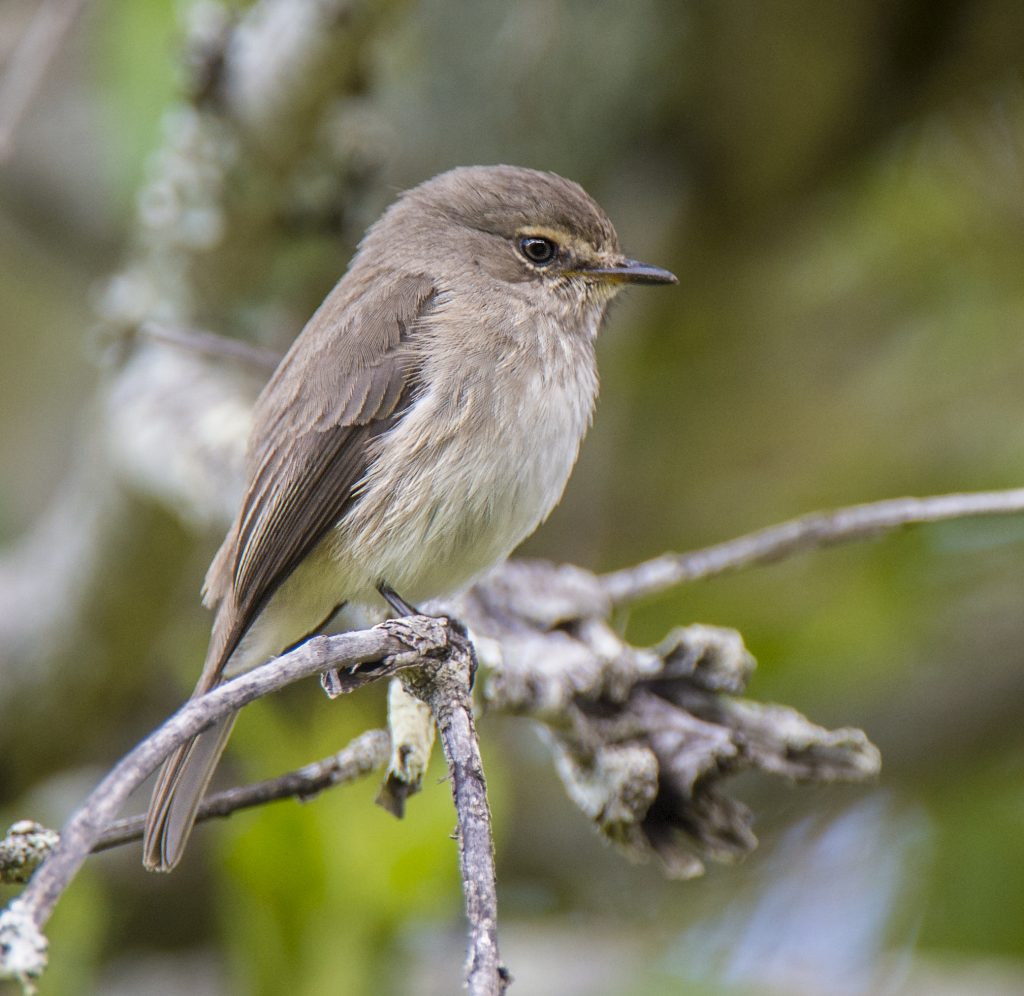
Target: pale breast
column 476, row 465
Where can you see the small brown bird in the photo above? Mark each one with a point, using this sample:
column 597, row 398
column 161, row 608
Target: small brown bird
column 423, row 424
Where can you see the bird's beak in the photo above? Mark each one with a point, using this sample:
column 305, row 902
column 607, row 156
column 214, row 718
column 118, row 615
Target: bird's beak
column 632, row 271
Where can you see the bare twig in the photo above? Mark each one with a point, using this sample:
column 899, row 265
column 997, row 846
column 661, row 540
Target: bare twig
column 644, row 738
column 27, row 66
column 211, row 344
column 808, row 532
column 345, row 651
column 447, row 691
column 28, row 844
column 367, row 752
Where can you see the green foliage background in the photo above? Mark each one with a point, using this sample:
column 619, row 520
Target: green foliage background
column 841, row 189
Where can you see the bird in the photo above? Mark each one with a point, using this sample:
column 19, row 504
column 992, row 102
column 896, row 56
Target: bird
column 423, row 423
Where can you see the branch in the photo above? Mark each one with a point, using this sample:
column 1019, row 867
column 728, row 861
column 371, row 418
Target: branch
column 213, row 345
column 446, row 689
column 411, row 726
column 394, row 646
column 385, row 646
column 809, row 532
column 28, row 844
column 367, row 752
column 644, row 738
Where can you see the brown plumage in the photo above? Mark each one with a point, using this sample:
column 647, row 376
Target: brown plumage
column 422, row 424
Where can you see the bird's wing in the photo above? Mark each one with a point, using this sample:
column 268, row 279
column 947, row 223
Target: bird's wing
column 347, row 378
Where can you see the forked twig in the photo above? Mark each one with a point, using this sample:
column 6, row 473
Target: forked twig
column 808, row 532
column 366, row 753
column 378, row 646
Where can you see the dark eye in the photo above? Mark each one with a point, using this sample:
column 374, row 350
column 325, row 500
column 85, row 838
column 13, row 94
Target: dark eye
column 537, row 250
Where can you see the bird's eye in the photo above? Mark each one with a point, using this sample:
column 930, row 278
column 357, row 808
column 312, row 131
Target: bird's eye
column 537, row 250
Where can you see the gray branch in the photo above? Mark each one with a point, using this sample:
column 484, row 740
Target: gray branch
column 809, row 532
column 210, row 344
column 384, row 647
column 446, row 689
column 644, row 738
column 28, row 844
column 367, row 752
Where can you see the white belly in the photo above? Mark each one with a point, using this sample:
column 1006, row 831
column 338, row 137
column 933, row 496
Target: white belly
column 440, row 506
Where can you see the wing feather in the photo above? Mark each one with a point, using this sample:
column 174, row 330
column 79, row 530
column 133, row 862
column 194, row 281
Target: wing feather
column 348, row 377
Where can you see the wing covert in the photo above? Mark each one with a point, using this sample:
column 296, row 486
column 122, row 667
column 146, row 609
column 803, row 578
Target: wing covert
column 348, row 377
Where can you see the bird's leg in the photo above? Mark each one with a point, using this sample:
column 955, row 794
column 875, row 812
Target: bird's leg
column 399, row 604
column 403, row 608
column 330, row 680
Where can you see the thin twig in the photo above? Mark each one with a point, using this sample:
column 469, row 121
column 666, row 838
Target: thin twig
column 344, row 652
column 808, row 532
column 447, row 692
column 26, row 67
column 367, row 752
column 211, row 344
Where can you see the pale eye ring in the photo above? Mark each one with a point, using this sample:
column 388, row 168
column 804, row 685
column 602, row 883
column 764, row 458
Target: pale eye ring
column 538, row 250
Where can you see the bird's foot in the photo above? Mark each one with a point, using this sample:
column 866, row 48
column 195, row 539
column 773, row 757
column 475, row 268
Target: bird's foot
column 399, row 604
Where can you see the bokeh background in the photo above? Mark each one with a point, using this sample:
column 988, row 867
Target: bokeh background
column 841, row 189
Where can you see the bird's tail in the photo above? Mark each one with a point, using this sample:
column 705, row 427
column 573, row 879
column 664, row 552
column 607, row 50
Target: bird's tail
column 178, row 792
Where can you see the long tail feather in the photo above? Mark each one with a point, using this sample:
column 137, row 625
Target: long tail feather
column 178, row 792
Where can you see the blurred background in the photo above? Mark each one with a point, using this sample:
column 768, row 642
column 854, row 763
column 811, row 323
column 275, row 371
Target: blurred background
column 840, row 188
